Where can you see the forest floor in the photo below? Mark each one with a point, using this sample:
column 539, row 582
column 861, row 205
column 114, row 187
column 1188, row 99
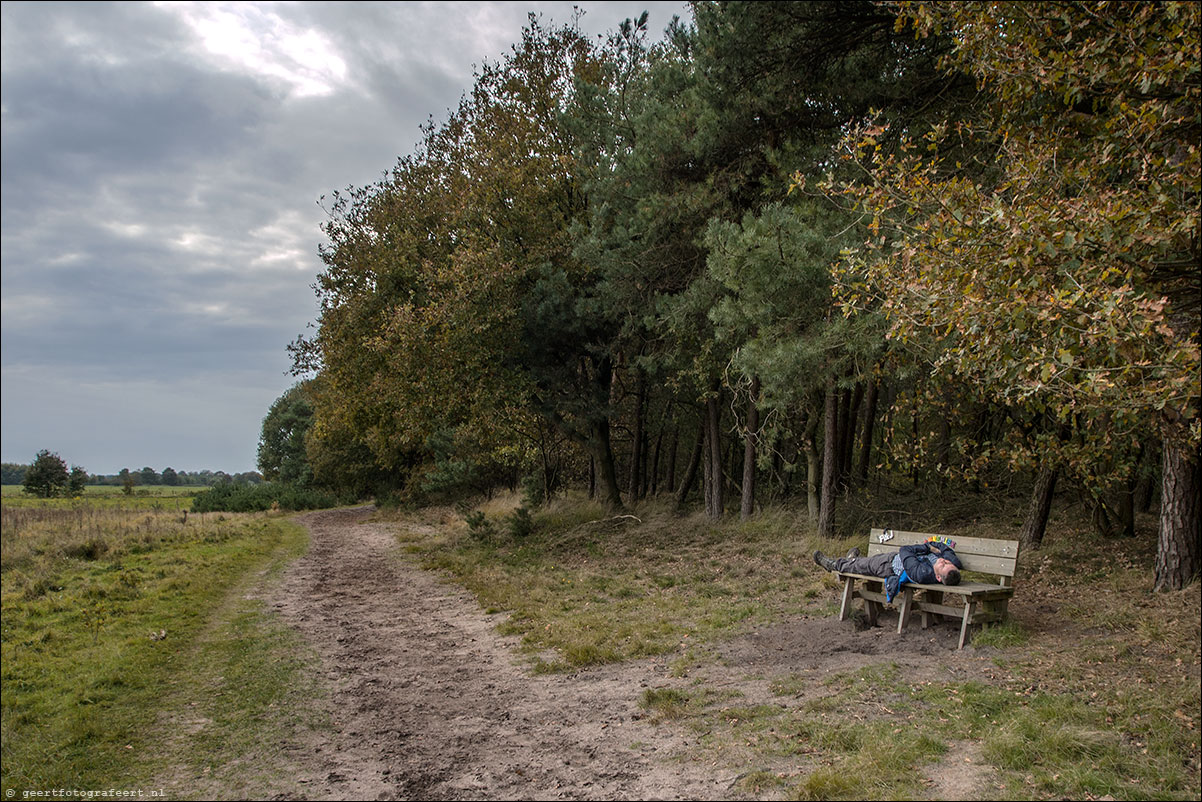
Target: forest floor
column 424, row 698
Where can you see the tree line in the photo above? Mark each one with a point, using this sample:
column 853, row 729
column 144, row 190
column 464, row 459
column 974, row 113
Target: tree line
column 790, row 250
column 51, row 472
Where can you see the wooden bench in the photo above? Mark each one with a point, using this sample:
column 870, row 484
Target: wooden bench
column 983, row 602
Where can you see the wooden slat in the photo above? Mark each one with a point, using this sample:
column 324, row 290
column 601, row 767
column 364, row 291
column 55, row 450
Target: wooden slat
column 991, row 547
column 998, row 566
column 997, row 557
column 955, row 611
column 981, row 590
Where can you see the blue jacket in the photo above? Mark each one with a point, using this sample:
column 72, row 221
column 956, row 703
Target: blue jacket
column 916, row 564
column 919, row 561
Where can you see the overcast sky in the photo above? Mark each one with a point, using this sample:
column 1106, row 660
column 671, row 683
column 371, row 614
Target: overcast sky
column 161, row 168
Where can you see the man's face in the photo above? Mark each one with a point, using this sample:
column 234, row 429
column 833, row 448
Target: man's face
column 942, row 567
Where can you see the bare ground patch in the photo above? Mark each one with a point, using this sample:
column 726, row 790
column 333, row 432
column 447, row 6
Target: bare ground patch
column 429, row 702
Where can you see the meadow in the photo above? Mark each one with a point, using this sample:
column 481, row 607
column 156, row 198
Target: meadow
column 116, row 608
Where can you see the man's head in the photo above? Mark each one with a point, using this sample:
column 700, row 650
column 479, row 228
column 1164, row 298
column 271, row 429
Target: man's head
column 946, row 572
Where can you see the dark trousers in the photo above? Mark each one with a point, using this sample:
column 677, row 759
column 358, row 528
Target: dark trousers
column 876, row 565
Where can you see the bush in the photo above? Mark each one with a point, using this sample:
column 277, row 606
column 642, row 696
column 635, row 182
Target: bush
column 533, row 495
column 479, row 526
column 232, row 497
column 520, row 523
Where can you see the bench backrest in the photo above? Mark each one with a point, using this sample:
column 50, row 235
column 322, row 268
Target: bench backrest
column 980, row 554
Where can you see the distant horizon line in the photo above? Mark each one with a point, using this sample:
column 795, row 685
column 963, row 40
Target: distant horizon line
column 136, row 470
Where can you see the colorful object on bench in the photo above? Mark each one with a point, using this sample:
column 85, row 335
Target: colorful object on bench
column 944, row 539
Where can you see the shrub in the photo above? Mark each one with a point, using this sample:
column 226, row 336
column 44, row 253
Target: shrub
column 533, row 495
column 233, row 497
column 520, row 523
column 479, row 526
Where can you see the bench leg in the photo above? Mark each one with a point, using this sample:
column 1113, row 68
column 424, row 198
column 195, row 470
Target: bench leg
column 970, row 606
column 904, row 617
column 845, row 607
column 1000, row 608
column 873, row 608
column 927, row 617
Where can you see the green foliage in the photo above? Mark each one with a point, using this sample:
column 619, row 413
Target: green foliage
column 607, row 246
column 282, row 456
column 232, row 497
column 13, row 473
column 47, row 476
column 77, row 481
column 534, row 494
column 422, row 330
column 479, row 525
column 1043, row 246
column 520, row 523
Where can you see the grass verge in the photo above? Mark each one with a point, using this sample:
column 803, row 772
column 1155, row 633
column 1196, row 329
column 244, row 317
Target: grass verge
column 109, row 615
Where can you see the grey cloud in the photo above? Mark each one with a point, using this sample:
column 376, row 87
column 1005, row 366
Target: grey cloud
column 160, row 210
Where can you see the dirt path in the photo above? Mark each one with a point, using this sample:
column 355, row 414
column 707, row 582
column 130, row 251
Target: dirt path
column 429, row 702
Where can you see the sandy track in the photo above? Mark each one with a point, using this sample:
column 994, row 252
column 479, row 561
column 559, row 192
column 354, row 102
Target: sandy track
column 429, row 702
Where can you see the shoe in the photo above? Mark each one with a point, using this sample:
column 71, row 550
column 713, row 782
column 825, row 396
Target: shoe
column 855, row 552
column 824, row 561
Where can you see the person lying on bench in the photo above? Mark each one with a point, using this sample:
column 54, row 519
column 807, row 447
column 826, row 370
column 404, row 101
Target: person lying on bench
column 921, row 564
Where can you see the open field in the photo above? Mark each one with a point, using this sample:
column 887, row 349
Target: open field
column 111, row 611
column 165, row 497
column 102, row 491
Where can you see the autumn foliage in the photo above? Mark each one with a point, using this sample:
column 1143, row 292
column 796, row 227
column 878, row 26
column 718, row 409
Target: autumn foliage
column 790, row 249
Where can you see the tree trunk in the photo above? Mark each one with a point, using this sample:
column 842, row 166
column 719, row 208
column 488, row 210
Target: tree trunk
column 830, row 458
column 651, row 477
column 812, row 466
column 603, row 453
column 866, row 439
column 690, row 474
column 635, row 481
column 1040, row 508
column 747, row 507
column 670, row 481
column 842, row 407
column 1180, row 543
column 714, row 501
column 850, row 417
column 1145, row 493
column 943, row 449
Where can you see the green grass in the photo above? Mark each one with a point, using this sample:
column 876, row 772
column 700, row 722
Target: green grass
column 251, row 688
column 879, row 733
column 585, row 588
column 95, row 492
column 107, row 615
column 103, row 497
